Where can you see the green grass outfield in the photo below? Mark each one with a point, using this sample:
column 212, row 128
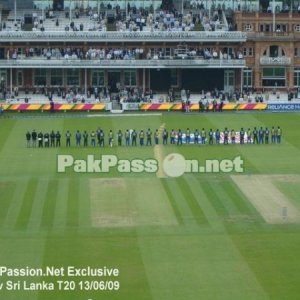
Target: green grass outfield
column 193, row 237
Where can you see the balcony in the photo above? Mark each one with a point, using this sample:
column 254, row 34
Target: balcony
column 126, row 64
column 275, row 61
column 272, row 36
column 108, row 36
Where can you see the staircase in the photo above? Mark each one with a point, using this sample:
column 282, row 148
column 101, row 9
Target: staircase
column 116, row 107
column 27, row 27
column 177, row 4
column 4, row 14
column 198, row 27
column 225, row 20
column 111, row 27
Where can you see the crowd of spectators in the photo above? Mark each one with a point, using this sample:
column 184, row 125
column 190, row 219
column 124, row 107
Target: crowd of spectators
column 125, row 94
column 69, row 95
column 77, row 94
column 125, row 53
column 213, row 22
column 115, row 53
column 93, row 22
column 130, row 19
column 141, row 19
column 135, row 95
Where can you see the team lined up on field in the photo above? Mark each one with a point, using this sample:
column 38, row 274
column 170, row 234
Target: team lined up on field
column 132, row 137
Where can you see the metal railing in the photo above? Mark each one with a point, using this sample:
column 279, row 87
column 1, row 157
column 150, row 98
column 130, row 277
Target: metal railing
column 143, row 36
column 130, row 64
column 282, row 61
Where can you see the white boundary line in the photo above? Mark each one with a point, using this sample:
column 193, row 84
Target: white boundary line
column 125, row 115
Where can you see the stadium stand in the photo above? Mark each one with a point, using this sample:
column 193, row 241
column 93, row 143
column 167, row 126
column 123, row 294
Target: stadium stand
column 137, row 51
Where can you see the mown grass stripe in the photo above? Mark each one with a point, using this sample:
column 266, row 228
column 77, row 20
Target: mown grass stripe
column 7, row 128
column 60, row 215
column 7, row 190
column 73, row 204
column 210, row 213
column 225, row 198
column 37, row 208
column 84, row 204
column 25, row 210
column 172, row 201
column 238, row 198
column 15, row 204
column 212, row 196
column 185, row 212
column 191, row 201
column 49, row 204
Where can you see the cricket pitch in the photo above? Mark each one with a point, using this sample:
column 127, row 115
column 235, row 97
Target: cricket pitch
column 119, row 202
column 267, row 198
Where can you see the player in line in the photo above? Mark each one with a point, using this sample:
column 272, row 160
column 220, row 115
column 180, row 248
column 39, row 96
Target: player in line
column 255, row 136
